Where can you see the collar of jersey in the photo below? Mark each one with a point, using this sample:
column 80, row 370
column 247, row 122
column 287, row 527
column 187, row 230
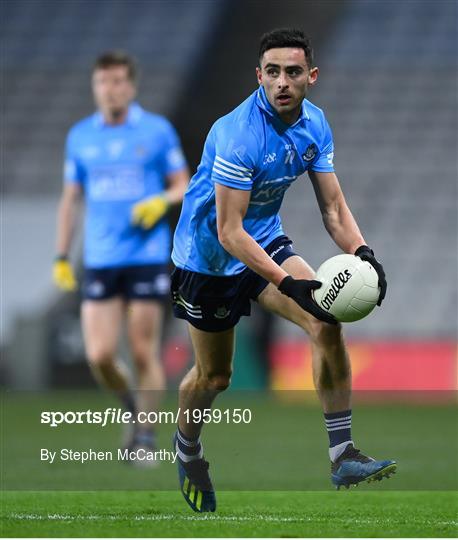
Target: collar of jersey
column 134, row 114
column 263, row 103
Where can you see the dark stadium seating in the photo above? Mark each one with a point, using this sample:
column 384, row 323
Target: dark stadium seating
column 388, row 86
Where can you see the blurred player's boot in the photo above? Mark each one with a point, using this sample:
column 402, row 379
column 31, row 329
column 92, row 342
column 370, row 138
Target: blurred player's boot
column 142, row 444
column 195, row 483
column 352, row 467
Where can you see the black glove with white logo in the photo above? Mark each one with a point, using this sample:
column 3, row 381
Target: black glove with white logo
column 366, row 254
column 300, row 290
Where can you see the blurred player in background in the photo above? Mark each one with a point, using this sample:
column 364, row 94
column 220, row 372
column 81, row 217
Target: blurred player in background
column 128, row 166
column 230, row 248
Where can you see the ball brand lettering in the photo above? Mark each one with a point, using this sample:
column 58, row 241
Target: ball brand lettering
column 336, row 285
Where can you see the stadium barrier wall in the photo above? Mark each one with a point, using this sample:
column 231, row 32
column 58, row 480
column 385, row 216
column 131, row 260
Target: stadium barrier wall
column 380, row 365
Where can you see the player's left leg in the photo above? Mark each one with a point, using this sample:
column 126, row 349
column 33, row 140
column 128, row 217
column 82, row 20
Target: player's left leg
column 144, row 328
column 144, row 288
column 101, row 324
column 331, row 365
column 332, row 379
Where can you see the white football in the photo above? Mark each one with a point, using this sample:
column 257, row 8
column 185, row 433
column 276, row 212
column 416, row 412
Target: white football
column 350, row 287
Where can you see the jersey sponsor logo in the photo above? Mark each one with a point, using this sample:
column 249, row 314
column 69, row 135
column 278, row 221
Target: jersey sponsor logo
column 269, row 158
column 116, row 183
column 271, row 190
column 310, row 153
column 222, row 312
column 330, row 158
column 337, row 285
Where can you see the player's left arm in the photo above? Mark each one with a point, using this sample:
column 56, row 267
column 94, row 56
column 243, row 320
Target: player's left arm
column 340, row 223
column 337, row 217
column 147, row 212
column 177, row 184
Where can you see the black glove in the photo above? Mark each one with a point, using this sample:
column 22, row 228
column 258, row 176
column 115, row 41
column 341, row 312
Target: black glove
column 300, row 290
column 366, row 254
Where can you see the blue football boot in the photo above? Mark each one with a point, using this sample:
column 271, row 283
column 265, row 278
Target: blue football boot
column 352, row 467
column 195, row 483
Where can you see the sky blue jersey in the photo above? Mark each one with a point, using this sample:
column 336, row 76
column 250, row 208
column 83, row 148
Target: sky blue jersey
column 118, row 166
column 249, row 149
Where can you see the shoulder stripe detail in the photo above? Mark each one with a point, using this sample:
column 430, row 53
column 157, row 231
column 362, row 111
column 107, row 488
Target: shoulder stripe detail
column 232, row 171
column 226, row 175
column 232, row 165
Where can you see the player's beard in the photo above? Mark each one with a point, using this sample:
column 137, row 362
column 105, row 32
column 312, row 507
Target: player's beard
column 116, row 114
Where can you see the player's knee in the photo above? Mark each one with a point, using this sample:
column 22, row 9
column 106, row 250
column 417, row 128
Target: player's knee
column 325, row 335
column 100, row 358
column 143, row 360
column 217, row 381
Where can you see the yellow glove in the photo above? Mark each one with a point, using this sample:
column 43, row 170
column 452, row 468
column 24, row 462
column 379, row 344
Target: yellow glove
column 148, row 212
column 63, row 276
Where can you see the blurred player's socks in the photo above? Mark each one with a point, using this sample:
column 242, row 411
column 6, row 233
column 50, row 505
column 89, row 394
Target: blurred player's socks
column 188, row 449
column 338, row 425
column 145, row 438
column 128, row 400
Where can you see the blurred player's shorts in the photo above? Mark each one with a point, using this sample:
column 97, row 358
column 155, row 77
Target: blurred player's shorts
column 145, row 282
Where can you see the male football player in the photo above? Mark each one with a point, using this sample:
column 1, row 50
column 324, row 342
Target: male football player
column 230, row 248
column 128, row 166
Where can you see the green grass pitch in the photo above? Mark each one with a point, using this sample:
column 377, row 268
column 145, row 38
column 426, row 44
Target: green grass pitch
column 272, row 475
column 241, row 514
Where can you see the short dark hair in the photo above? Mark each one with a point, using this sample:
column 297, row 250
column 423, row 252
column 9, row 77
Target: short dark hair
column 287, row 37
column 117, row 58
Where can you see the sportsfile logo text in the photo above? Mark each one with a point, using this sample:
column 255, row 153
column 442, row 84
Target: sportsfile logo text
column 112, row 415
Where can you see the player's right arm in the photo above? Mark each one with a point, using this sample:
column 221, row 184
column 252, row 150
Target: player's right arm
column 74, row 174
column 231, row 207
column 66, row 217
column 63, row 274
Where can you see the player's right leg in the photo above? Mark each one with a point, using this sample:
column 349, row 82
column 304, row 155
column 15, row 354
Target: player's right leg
column 101, row 321
column 209, row 376
column 102, row 313
column 212, row 306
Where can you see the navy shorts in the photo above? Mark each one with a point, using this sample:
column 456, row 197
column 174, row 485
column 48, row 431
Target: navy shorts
column 216, row 303
column 145, row 282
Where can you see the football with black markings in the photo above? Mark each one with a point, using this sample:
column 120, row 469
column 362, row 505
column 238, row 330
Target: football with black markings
column 350, row 287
